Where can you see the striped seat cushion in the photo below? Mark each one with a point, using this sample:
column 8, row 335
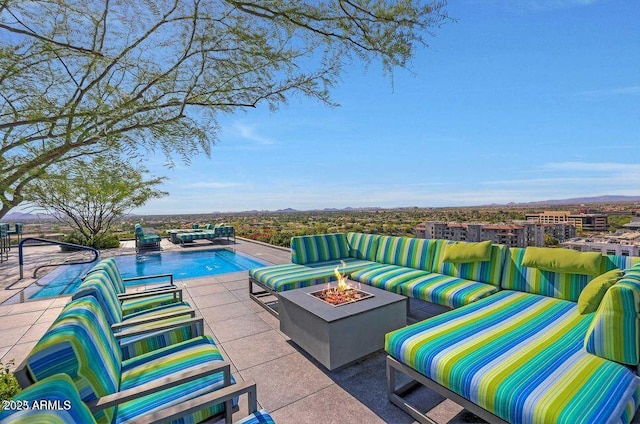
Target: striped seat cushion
column 363, row 246
column 200, row 235
column 446, row 290
column 521, row 357
column 319, row 248
column 404, row 251
column 258, row 417
column 131, row 306
column 485, row 272
column 292, row 276
column 56, row 389
column 164, row 363
column 615, row 331
column 387, row 277
column 633, row 272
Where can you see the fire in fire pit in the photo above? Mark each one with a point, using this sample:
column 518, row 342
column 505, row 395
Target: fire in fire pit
column 341, row 294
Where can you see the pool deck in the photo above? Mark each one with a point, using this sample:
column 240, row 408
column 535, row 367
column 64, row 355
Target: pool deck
column 291, row 385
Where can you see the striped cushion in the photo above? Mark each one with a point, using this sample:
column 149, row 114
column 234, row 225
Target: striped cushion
column 98, row 285
column 519, row 356
column 56, row 389
column 621, row 262
column 200, row 235
column 363, row 246
column 485, row 272
column 80, row 344
column 446, row 290
column 258, row 417
column 387, row 277
column 292, row 276
column 404, row 251
column 319, row 248
column 633, row 272
column 131, row 306
column 532, row 280
column 110, row 267
column 615, row 331
column 163, row 363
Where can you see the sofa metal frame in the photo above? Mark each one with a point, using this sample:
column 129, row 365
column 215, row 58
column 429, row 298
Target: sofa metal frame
column 265, row 292
column 395, row 394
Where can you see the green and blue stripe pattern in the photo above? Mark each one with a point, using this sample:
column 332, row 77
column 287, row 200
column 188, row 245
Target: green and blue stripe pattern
column 292, row 276
column 484, row 272
column 81, row 345
column 445, row 290
column 363, row 246
column 521, row 357
column 406, row 252
column 614, row 332
column 57, row 389
column 533, row 280
column 319, row 248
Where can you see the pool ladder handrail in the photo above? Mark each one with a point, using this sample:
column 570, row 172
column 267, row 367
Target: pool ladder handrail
column 95, row 252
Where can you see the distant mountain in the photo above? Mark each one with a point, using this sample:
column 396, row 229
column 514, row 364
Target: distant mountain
column 21, row 216
column 579, row 200
column 286, row 210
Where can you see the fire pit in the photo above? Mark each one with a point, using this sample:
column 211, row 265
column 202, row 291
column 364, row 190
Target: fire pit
column 336, row 297
column 342, row 294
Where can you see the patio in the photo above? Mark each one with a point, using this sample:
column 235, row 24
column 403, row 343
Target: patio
column 291, row 385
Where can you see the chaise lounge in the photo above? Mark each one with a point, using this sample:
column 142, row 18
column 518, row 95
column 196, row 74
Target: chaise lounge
column 519, row 344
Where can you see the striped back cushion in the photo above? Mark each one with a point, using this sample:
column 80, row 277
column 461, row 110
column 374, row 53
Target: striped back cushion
column 620, row 262
column 57, row 389
column 319, row 248
column 532, row 280
column 111, row 267
column 98, row 285
column 363, row 246
column 615, row 330
column 80, row 344
column 404, row 251
column 485, row 272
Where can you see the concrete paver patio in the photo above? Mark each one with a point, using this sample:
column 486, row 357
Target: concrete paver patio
column 291, row 385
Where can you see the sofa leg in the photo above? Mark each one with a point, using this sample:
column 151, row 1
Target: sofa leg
column 394, row 394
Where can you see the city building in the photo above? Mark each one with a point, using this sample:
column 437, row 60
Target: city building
column 582, row 221
column 521, row 234
column 623, row 244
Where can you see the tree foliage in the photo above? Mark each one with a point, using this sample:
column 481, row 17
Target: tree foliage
column 85, row 76
column 89, row 195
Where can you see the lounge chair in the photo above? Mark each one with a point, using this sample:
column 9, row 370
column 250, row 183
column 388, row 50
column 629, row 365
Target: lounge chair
column 146, row 241
column 65, row 406
column 143, row 331
column 162, row 294
column 80, row 344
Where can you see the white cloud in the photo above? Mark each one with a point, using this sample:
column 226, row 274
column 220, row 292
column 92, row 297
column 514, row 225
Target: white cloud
column 614, row 167
column 249, row 132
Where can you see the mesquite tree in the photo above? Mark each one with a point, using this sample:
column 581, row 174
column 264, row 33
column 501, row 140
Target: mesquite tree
column 89, row 195
column 79, row 77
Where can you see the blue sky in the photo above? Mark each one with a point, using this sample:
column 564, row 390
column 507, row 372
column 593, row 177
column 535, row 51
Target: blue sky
column 519, row 100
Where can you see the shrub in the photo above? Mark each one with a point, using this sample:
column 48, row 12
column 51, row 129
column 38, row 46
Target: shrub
column 103, row 241
column 8, row 384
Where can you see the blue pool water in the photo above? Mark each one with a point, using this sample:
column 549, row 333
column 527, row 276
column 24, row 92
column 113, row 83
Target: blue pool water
column 64, row 280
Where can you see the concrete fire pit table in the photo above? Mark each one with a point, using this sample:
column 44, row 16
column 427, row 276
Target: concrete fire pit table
column 339, row 335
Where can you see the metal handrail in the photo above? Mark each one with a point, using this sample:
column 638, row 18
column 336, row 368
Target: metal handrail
column 96, row 253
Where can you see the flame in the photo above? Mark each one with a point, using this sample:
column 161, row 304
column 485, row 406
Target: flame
column 342, row 279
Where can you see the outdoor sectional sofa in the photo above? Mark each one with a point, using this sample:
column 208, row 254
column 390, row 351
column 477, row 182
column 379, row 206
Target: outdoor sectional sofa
column 515, row 347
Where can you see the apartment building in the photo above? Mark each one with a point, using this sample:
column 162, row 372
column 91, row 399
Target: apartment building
column 623, row 244
column 520, row 234
column 582, row 221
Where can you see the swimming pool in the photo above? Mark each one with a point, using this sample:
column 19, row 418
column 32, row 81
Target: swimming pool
column 65, row 279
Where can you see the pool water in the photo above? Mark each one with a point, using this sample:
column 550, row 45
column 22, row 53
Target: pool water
column 65, row 279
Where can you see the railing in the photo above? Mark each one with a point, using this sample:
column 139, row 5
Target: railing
column 95, row 252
